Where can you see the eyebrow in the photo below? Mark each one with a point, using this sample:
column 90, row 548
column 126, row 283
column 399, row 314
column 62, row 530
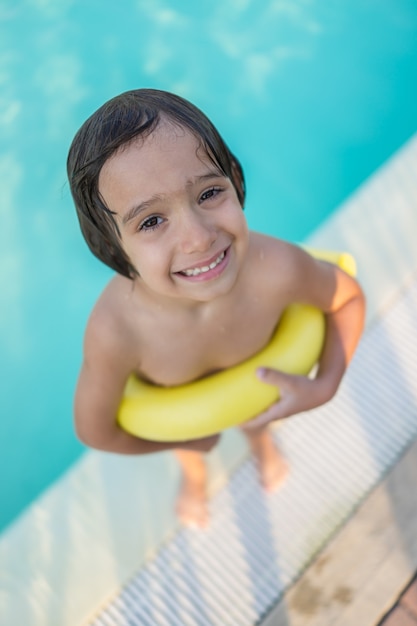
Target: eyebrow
column 146, row 204
column 134, row 211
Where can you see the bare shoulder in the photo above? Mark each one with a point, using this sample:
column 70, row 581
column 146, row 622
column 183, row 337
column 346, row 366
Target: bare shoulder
column 109, row 333
column 277, row 263
column 290, row 274
column 272, row 250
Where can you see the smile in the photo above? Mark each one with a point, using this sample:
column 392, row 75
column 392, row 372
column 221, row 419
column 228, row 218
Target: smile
column 206, row 268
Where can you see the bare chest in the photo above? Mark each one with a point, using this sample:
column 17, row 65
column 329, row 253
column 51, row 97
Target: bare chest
column 185, row 352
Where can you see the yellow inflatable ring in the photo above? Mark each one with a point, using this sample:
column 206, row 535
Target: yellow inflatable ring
column 230, row 397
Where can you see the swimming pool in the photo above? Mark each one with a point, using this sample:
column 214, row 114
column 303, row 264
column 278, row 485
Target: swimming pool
column 312, row 99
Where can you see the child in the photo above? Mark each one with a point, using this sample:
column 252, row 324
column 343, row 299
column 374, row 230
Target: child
column 159, row 197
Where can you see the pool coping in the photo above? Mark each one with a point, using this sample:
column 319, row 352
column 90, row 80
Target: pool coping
column 382, row 529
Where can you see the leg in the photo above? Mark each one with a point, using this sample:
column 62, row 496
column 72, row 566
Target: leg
column 272, row 467
column 191, row 504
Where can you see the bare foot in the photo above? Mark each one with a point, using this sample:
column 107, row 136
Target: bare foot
column 273, row 470
column 191, row 506
column 272, row 467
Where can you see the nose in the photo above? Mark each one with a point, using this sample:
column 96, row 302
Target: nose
column 197, row 233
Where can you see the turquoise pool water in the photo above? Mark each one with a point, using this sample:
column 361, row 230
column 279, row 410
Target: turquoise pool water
column 312, row 96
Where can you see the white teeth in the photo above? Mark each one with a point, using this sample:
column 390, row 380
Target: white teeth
column 200, row 270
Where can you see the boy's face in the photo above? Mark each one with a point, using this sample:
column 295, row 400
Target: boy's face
column 181, row 222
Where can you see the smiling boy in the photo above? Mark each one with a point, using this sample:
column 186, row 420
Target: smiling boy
column 159, row 197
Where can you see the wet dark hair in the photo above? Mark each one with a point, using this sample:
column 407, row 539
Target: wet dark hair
column 115, row 124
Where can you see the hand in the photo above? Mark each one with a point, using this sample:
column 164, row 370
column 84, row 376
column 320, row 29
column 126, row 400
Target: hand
column 204, row 444
column 297, row 394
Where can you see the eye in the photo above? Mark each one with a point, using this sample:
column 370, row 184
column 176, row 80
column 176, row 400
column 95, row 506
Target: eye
column 210, row 193
column 151, row 223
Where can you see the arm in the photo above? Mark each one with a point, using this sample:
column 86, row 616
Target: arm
column 341, row 299
column 99, row 390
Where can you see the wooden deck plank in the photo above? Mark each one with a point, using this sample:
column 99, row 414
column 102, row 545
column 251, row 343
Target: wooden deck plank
column 361, row 573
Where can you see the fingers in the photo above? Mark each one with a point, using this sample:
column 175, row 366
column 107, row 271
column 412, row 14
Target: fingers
column 275, row 412
column 294, row 393
column 265, row 374
column 274, row 377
